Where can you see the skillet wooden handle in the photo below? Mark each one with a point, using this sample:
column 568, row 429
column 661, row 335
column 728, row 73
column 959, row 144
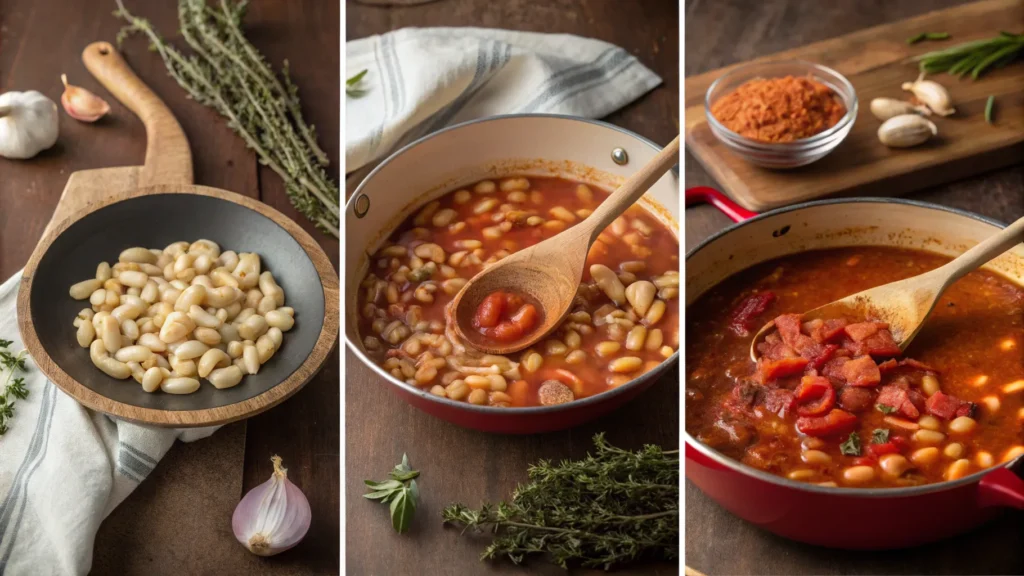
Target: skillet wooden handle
column 168, row 157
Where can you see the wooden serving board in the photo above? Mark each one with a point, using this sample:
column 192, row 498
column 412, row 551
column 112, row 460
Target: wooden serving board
column 877, row 61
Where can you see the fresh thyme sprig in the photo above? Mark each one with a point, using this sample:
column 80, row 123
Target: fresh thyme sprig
column 974, row 58
column 12, row 387
column 400, row 492
column 228, row 74
column 609, row 509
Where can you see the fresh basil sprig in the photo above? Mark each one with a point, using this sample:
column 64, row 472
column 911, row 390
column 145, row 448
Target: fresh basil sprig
column 400, row 491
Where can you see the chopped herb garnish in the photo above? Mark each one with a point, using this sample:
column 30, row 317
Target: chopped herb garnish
column 852, row 445
column 11, row 387
column 400, row 491
column 879, row 435
column 928, row 36
column 885, row 408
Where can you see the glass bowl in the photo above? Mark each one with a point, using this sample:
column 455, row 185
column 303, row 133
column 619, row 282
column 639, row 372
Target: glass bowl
column 782, row 155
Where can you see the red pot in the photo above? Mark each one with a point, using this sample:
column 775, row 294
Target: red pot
column 844, row 517
column 577, row 148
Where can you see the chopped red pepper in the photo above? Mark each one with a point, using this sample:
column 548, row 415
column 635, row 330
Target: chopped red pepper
column 877, row 450
column 836, row 422
column 862, row 371
column 749, row 309
column 773, row 369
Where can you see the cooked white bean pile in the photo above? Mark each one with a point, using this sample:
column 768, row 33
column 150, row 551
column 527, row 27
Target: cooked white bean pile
column 170, row 317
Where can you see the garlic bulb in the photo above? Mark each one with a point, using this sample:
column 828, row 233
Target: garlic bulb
column 932, row 94
column 28, row 124
column 906, row 130
column 81, row 104
column 273, row 516
column 885, row 108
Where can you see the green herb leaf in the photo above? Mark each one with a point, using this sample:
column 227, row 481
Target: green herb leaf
column 612, row 508
column 11, row 387
column 916, row 39
column 879, row 435
column 352, row 85
column 852, row 445
column 885, row 408
column 400, row 491
column 989, row 107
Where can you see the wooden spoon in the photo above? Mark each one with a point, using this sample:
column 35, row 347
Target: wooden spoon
column 906, row 304
column 549, row 273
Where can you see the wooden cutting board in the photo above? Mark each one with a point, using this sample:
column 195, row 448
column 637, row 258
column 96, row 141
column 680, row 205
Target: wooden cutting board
column 877, row 61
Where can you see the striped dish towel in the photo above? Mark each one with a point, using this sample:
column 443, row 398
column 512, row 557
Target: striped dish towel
column 64, row 468
column 420, row 80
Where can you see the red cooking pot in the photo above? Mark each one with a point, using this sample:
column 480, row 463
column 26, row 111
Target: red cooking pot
column 844, row 517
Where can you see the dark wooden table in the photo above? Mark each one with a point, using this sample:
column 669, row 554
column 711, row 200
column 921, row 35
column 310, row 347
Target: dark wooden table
column 467, row 466
column 718, row 543
column 178, row 521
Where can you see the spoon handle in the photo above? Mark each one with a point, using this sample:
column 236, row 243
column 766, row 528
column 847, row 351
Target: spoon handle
column 632, row 189
column 986, row 250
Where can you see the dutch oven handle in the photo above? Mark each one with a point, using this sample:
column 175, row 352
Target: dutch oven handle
column 1001, row 487
column 708, row 195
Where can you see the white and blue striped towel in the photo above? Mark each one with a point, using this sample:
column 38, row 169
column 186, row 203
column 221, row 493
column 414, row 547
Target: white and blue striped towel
column 419, row 80
column 63, row 469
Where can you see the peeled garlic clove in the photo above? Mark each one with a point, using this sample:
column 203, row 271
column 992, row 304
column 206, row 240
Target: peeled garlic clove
column 82, row 104
column 885, row 108
column 906, row 130
column 933, row 94
column 273, row 516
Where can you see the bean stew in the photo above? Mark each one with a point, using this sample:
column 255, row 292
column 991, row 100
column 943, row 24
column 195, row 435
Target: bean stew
column 832, row 401
column 623, row 322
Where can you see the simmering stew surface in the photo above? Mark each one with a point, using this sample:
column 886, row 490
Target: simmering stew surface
column 834, row 403
column 624, row 320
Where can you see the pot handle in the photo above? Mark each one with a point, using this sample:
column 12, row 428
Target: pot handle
column 708, row 195
column 1002, row 487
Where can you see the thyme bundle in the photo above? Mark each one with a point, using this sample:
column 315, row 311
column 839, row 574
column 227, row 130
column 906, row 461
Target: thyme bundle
column 13, row 388
column 228, row 74
column 609, row 509
column 974, row 58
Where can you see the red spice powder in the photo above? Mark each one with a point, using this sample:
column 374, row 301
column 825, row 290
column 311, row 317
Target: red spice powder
column 779, row 109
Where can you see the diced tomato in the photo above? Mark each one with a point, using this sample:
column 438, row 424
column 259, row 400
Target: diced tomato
column 821, row 405
column 747, row 310
column 882, row 344
column 887, row 366
column 861, row 330
column 911, row 363
column 773, row 369
column 966, row 409
column 853, row 399
column 488, row 314
column 504, row 332
column 898, row 398
column 833, row 329
column 900, row 442
column 864, row 461
column 826, row 354
column 836, row 422
column 861, row 371
column 788, row 326
column 812, row 387
column 877, row 450
column 943, row 405
column 833, row 369
column 779, row 401
column 774, row 348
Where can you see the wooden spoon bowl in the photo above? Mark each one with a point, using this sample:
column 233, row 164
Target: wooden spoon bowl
column 102, row 212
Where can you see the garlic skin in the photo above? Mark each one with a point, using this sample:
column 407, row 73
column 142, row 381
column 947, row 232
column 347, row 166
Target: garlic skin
column 273, row 516
column 28, row 124
column 906, row 130
column 81, row 104
column 885, row 108
column 932, row 94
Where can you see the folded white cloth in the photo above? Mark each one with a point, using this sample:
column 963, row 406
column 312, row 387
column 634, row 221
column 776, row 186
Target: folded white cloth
column 419, row 80
column 64, row 468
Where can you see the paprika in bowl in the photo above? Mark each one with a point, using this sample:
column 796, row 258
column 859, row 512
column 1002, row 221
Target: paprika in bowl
column 781, row 114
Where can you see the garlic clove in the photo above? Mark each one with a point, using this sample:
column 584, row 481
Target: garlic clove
column 885, row 108
column 932, row 94
column 82, row 104
column 906, row 130
column 273, row 516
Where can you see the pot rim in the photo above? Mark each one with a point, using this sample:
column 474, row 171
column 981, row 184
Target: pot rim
column 742, row 468
column 594, row 400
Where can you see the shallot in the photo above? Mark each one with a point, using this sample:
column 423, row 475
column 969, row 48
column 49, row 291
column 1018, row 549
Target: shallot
column 273, row 516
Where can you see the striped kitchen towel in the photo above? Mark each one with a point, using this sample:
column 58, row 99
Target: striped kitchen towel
column 419, row 80
column 64, row 468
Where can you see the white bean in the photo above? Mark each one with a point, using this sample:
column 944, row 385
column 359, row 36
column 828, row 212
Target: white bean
column 275, row 336
column 190, row 349
column 222, row 378
column 153, row 342
column 609, row 283
column 205, row 247
column 102, row 360
column 222, row 277
column 235, row 349
column 203, row 318
column 280, row 320
column 110, row 334
column 179, row 385
column 213, row 358
column 207, row 336
column 130, row 329
column 86, row 333
column 251, row 359
column 228, row 259
column 182, row 367
column 85, row 288
column 149, row 293
column 253, row 327
column 248, row 270
column 223, row 297
column 103, row 272
column 133, row 278
column 137, row 255
column 152, row 378
column 265, row 348
column 269, row 287
column 229, row 333
column 192, row 296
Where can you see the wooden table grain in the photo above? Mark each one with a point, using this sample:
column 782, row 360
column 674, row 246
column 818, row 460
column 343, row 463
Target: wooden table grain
column 472, row 467
column 178, row 520
column 718, row 543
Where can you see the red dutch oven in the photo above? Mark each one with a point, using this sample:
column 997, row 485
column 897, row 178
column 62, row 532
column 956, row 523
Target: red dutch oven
column 844, row 517
column 533, row 144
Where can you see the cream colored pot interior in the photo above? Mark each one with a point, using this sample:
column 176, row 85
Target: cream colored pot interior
column 850, row 223
column 532, row 145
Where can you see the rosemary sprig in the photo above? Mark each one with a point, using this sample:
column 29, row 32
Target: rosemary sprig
column 974, row 58
column 990, row 108
column 400, row 492
column 609, row 509
column 228, row 74
column 13, row 387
